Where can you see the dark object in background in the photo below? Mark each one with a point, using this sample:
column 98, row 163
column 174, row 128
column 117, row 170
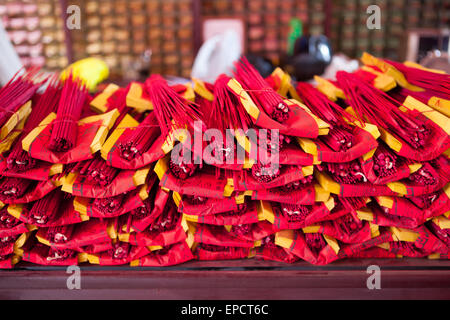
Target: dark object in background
column 311, row 56
column 263, row 65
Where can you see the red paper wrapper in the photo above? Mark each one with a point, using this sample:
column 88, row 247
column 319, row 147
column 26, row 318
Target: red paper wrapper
column 287, row 216
column 202, row 206
column 139, row 219
column 84, row 234
column 248, row 181
column 438, row 203
column 373, row 253
column 9, row 225
column 7, row 262
column 81, row 151
column 96, row 208
column 219, row 236
column 440, row 233
column 41, row 171
column 248, row 215
column 384, row 217
column 253, row 232
column 96, row 248
column 304, row 196
column 438, row 142
column 390, row 167
column 362, row 144
column 165, row 230
column 7, row 244
column 204, row 183
column 347, row 229
column 125, row 181
column 172, row 255
column 153, row 154
column 38, row 253
column 326, row 254
column 431, row 177
column 425, row 244
column 35, row 190
column 270, row 251
column 344, row 206
column 212, row 252
column 121, row 253
column 364, row 189
column 65, row 214
column 289, row 154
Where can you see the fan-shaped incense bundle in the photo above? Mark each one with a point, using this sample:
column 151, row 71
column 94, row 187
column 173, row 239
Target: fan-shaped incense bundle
column 382, row 110
column 17, row 92
column 439, row 83
column 19, row 160
column 340, row 137
column 260, row 91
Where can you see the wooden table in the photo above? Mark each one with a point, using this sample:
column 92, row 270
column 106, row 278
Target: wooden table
column 241, row 279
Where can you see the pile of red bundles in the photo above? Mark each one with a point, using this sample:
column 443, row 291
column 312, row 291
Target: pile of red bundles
column 155, row 174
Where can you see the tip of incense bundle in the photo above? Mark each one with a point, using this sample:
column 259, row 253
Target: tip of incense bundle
column 172, row 110
column 227, row 110
column 382, row 110
column 260, row 90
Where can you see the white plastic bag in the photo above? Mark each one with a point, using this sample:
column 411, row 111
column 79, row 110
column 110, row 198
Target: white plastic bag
column 216, row 56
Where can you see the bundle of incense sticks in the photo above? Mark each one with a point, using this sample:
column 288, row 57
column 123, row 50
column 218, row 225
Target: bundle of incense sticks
column 265, row 172
column 143, row 210
column 59, row 234
column 96, row 170
column 438, row 83
column 165, row 221
column 19, row 160
column 386, row 162
column 340, row 137
column 380, row 109
column 348, row 173
column 7, row 221
column 181, row 168
column 109, row 205
column 137, row 141
column 45, row 209
column 14, row 188
column 227, row 110
column 65, row 127
column 171, row 110
column 17, row 92
column 349, row 224
column 296, row 185
column 294, row 212
column 315, row 242
column 120, row 250
column 261, row 91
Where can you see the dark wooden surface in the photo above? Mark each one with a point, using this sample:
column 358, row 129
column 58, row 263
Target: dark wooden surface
column 244, row 279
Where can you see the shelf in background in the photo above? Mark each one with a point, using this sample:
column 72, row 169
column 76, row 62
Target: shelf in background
column 240, row 279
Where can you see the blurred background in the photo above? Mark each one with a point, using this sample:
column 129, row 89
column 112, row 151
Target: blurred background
column 136, row 37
